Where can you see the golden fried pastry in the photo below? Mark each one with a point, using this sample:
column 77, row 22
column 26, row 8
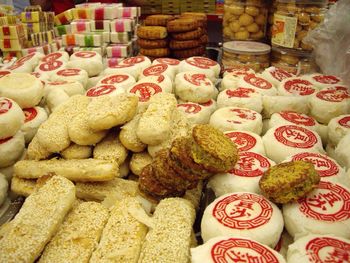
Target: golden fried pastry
column 36, row 151
column 152, row 32
column 194, row 34
column 138, row 161
column 75, row 151
column 158, row 20
column 289, row 181
column 146, row 43
column 186, row 53
column 155, row 52
column 212, row 149
column 128, row 136
column 200, row 17
column 182, row 25
column 184, row 44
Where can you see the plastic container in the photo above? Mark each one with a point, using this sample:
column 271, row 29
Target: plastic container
column 293, row 61
column 244, row 20
column 246, row 54
column 292, row 21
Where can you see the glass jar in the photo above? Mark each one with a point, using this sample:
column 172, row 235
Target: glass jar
column 244, row 20
column 293, row 61
column 245, row 54
column 292, row 21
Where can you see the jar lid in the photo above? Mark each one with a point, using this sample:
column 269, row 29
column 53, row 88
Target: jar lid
column 292, row 52
column 247, row 47
column 304, row 2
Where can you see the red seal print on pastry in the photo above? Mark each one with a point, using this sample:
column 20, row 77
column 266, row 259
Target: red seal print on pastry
column 114, row 79
column 297, row 118
column 243, row 141
column 334, row 94
column 295, row 136
column 122, row 66
column 244, row 114
column 280, row 74
column 243, row 211
column 30, row 114
column 197, row 79
column 145, row 90
column 25, row 58
column 51, row 57
column 257, row 82
column 85, row 54
column 5, row 140
column 100, row 90
column 238, row 71
column 201, row 62
column 326, row 79
column 251, row 164
column 155, row 70
column 327, row 249
column 50, row 66
column 207, row 104
column 5, row 105
column 345, row 122
column 15, row 65
column 69, row 72
column 323, row 165
column 239, row 92
column 300, row 87
column 134, row 60
column 241, row 250
column 329, row 202
column 55, row 83
column 190, row 108
column 4, row 72
column 168, row 61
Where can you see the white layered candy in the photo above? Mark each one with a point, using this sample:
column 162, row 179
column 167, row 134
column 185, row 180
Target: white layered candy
column 324, row 81
column 194, row 112
column 58, row 55
column 294, row 118
column 323, row 211
column 234, row 249
column 11, row 118
column 201, row 65
column 247, row 141
column 119, row 80
column 337, row 128
column 326, row 167
column 11, row 149
column 23, row 88
column 171, row 62
column 330, row 103
column 90, row 61
column 297, row 86
column 34, row 117
column 240, row 97
column 273, row 104
column 162, row 80
column 342, row 152
column 243, row 214
column 104, row 90
column 244, row 177
column 257, row 83
column 283, row 141
column 275, row 75
column 194, row 87
column 319, row 248
column 71, row 74
column 158, row 69
column 234, row 118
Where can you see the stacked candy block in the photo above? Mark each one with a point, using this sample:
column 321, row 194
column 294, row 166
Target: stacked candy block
column 104, row 28
column 39, row 30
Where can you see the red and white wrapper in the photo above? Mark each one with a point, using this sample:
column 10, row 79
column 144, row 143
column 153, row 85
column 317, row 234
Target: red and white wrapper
column 194, row 112
column 64, row 18
column 243, row 214
column 82, row 13
column 240, row 97
column 219, row 249
column 119, row 50
column 105, row 11
column 319, row 248
column 124, row 81
column 128, row 12
column 81, row 26
column 100, row 25
column 283, row 141
column 337, row 128
column 244, row 177
column 247, row 141
column 330, row 103
column 12, row 31
column 327, row 168
column 104, row 90
column 234, row 118
column 297, row 86
column 258, row 83
column 325, row 210
column 120, row 37
column 122, row 25
column 11, row 44
column 325, row 81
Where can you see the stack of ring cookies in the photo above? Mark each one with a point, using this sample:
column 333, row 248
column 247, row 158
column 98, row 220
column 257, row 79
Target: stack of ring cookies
column 188, row 36
column 152, row 36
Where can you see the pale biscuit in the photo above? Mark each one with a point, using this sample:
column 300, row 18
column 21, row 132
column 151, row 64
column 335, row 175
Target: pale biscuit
column 138, row 161
column 75, row 151
column 128, row 136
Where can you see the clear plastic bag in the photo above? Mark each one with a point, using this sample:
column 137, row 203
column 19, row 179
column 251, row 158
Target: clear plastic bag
column 331, row 41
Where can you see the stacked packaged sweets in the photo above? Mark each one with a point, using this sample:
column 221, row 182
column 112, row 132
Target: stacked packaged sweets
column 39, row 30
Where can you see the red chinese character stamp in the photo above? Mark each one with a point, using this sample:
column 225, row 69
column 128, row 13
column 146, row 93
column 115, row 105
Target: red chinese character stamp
column 295, row 136
column 197, row 79
column 258, row 82
column 243, row 141
column 239, row 92
column 5, row 105
column 114, row 79
column 145, row 90
column 297, row 118
column 299, row 87
column 251, row 164
column 155, row 70
column 201, row 62
column 30, row 114
column 190, row 108
column 100, row 90
column 328, row 250
column 345, row 122
column 326, row 79
column 69, row 72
